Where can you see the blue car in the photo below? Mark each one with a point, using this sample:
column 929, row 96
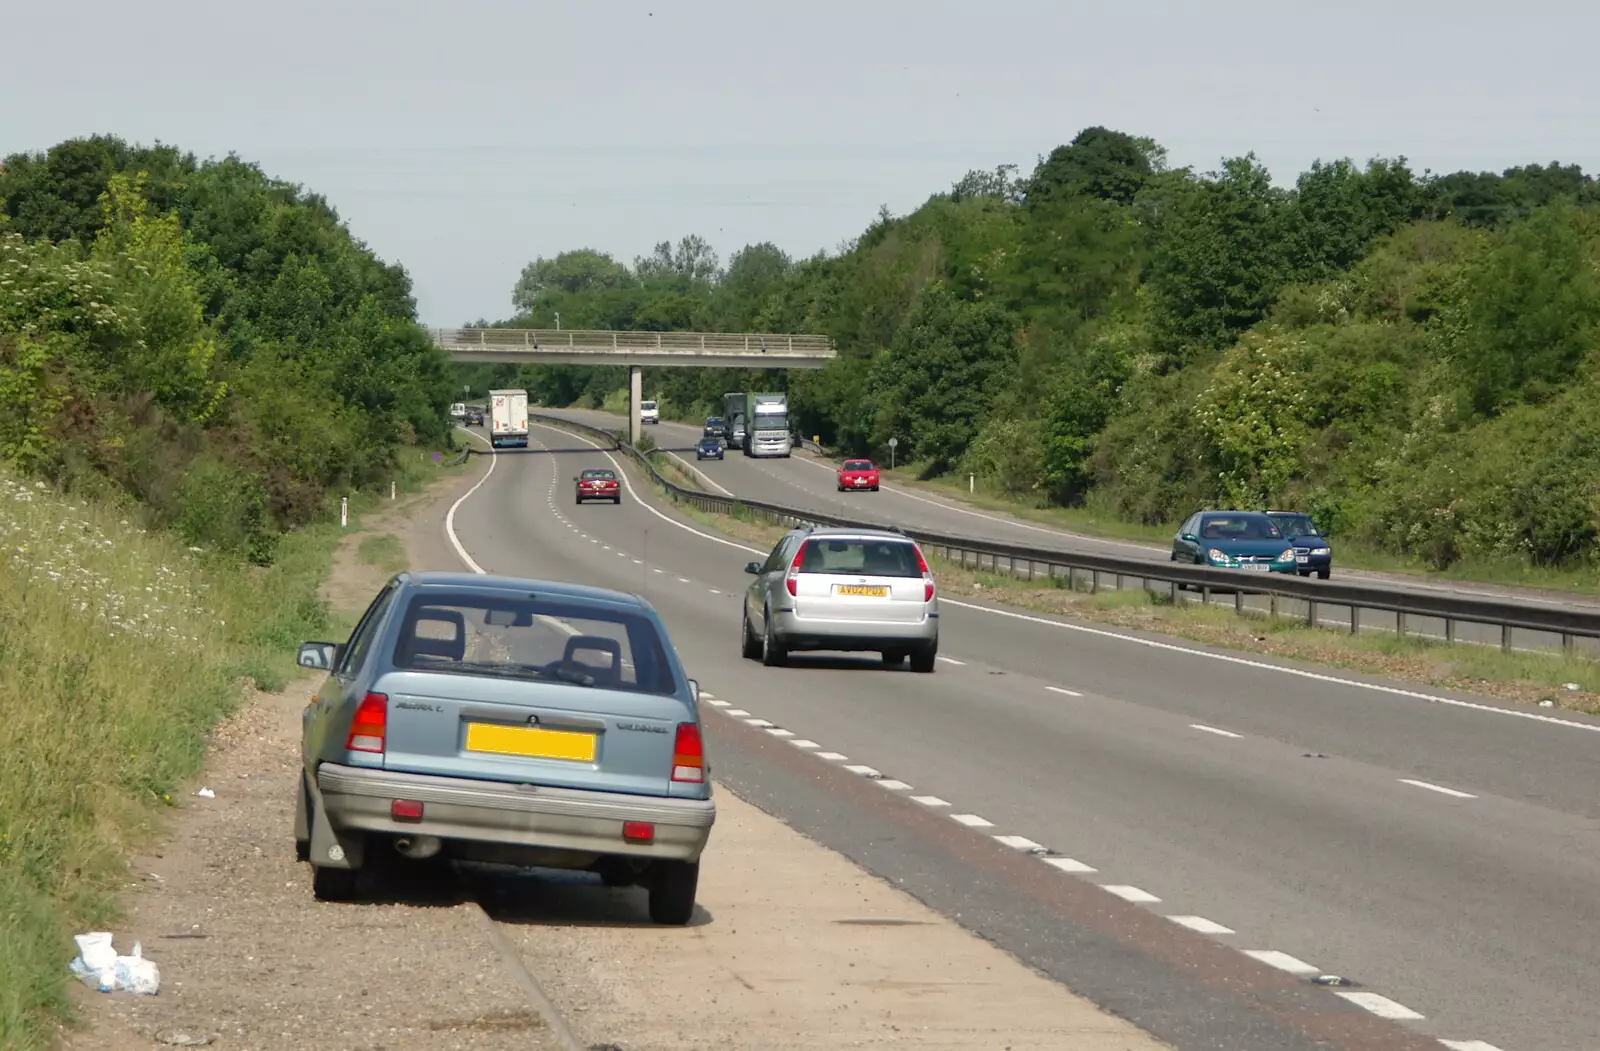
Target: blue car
column 709, row 449
column 511, row 721
column 1245, row 540
column 1312, row 553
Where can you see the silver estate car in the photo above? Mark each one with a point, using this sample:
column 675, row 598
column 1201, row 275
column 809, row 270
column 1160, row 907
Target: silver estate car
column 842, row 589
column 503, row 720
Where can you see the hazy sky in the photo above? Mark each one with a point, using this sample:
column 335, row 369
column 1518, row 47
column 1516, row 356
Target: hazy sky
column 464, row 138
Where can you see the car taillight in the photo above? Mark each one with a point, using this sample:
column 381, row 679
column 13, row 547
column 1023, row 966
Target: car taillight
column 791, row 580
column 688, row 756
column 927, row 575
column 370, row 725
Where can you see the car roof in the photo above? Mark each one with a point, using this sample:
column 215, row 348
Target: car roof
column 486, row 583
column 855, row 533
column 1237, row 514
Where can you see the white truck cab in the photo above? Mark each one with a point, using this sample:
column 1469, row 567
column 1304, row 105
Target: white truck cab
column 649, row 412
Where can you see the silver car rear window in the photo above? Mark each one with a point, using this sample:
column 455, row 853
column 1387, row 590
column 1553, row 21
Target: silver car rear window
column 866, row 557
column 533, row 639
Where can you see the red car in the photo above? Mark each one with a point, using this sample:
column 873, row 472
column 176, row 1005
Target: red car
column 599, row 484
column 858, row 474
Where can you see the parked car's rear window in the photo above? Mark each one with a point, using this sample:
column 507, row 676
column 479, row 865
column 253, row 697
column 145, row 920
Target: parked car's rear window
column 542, row 640
column 878, row 558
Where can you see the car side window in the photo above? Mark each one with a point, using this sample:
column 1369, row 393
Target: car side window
column 355, row 651
column 1188, row 527
column 779, row 557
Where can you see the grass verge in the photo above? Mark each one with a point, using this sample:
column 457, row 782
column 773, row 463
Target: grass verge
column 120, row 649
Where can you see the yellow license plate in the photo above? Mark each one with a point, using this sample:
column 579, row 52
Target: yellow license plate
column 530, row 742
column 861, row 589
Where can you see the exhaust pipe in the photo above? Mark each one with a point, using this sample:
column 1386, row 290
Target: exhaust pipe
column 418, row 848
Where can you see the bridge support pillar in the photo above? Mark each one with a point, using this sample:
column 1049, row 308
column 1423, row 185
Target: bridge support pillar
column 635, row 396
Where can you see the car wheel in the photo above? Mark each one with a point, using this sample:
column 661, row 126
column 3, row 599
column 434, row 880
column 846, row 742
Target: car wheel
column 328, row 884
column 749, row 645
column 922, row 659
column 302, row 820
column 617, row 499
column 1322, row 574
column 672, row 891
column 578, row 500
column 874, row 488
column 773, row 651
column 893, row 658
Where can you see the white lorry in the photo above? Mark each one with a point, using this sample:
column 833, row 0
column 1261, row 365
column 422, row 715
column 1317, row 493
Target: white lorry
column 508, row 418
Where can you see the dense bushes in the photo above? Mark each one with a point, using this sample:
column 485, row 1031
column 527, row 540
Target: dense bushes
column 200, row 337
column 1410, row 358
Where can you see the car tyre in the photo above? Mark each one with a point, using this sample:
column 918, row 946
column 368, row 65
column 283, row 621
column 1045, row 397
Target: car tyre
column 330, row 884
column 893, row 658
column 773, row 651
column 749, row 645
column 617, row 499
column 874, row 488
column 1322, row 574
column 922, row 659
column 672, row 892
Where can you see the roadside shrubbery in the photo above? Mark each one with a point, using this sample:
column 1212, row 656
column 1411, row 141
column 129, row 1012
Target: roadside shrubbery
column 120, row 648
column 206, row 339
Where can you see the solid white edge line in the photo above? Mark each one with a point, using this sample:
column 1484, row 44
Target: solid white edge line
column 1127, row 893
column 1282, row 961
column 1213, row 730
column 1228, row 658
column 450, row 515
column 1063, row 689
column 1201, row 924
column 1437, row 788
column 1380, row 1005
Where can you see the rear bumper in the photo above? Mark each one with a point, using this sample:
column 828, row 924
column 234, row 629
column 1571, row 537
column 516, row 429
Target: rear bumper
column 514, row 815
column 508, row 439
column 813, row 633
column 597, row 494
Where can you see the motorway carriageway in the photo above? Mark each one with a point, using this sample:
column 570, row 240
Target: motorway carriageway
column 1188, row 837
column 806, row 481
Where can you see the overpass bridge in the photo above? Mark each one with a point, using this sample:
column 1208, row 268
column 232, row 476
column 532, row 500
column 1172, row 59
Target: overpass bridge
column 739, row 350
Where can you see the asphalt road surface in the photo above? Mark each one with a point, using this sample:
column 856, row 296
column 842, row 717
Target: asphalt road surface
column 1438, row 852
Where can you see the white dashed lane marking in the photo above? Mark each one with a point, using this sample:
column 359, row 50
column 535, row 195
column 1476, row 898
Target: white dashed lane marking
column 1018, row 843
column 1282, row 961
column 778, row 731
column 972, row 820
column 833, row 757
column 1201, row 924
column 1213, row 730
column 1437, row 788
column 1127, row 893
column 864, row 771
column 1381, row 1006
column 934, row 801
column 1069, row 865
column 952, row 660
column 1061, row 689
column 803, row 743
column 1469, row 1045
column 892, row 785
column 738, row 712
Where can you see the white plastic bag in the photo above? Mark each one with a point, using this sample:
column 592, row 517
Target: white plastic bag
column 98, row 964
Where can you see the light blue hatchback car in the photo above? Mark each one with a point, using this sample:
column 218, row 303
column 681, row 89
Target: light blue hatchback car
column 505, row 720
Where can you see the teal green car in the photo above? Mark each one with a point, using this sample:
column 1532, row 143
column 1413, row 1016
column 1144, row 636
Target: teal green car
column 1243, row 540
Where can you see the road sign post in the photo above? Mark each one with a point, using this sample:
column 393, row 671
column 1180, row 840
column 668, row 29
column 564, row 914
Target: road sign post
column 892, row 443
